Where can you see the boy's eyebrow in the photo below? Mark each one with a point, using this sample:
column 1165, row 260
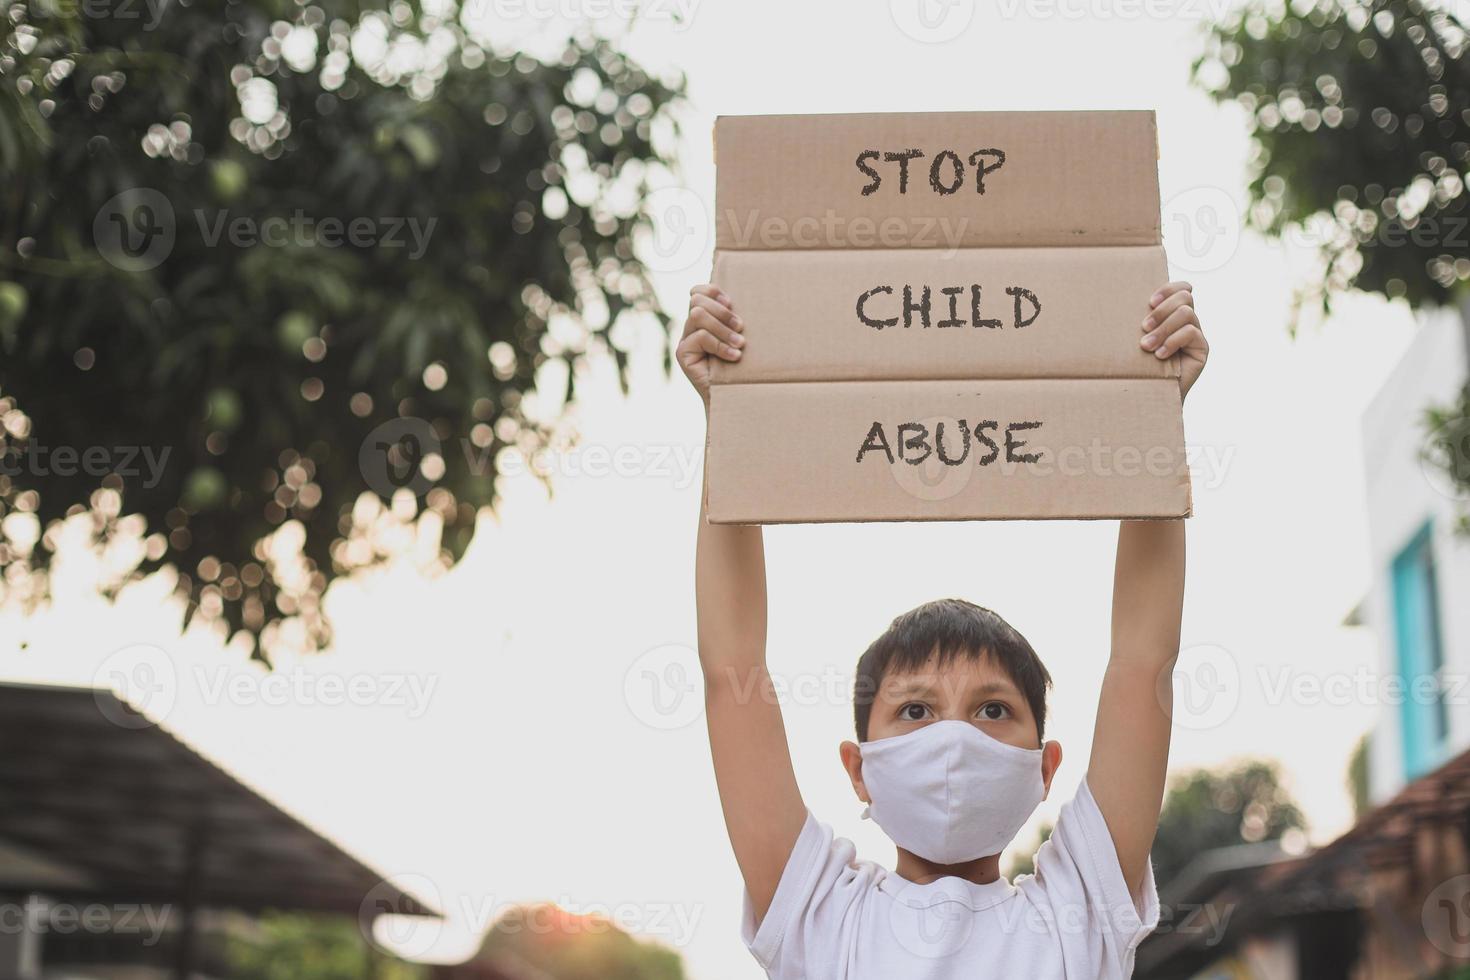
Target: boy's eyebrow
column 996, row 687
column 904, row 688
column 920, row 686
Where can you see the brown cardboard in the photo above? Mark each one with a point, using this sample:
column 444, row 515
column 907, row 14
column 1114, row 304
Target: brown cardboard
column 1067, row 178
column 1064, row 246
column 795, row 452
column 1081, row 308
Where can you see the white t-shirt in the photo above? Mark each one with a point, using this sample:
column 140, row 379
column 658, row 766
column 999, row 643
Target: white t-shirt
column 837, row 918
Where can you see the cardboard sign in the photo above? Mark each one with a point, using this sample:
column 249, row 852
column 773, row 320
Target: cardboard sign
column 922, row 313
column 944, row 450
column 943, row 313
column 936, row 180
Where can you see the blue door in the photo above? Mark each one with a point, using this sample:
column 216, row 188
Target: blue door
column 1417, row 638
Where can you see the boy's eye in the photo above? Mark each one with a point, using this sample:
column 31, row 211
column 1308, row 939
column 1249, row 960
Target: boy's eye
column 994, row 711
column 913, row 711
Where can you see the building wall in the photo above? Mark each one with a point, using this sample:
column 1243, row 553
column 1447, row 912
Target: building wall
column 1402, row 495
column 1272, row 956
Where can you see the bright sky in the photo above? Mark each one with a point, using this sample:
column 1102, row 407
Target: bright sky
column 531, row 734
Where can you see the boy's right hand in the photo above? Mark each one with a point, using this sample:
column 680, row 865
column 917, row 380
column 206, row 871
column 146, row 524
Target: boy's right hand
column 711, row 330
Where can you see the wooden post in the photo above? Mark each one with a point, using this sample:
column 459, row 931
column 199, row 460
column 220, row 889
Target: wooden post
column 1465, row 330
column 187, row 951
column 20, row 948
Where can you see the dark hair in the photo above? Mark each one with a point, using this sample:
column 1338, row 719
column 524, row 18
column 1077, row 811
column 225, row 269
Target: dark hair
column 946, row 629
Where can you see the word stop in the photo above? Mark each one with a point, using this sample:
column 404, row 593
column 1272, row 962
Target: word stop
column 946, row 170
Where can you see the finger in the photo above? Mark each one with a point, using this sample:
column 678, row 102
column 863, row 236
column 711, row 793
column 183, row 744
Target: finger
column 713, row 292
column 1181, row 339
column 705, row 342
column 702, row 319
column 688, row 357
column 691, row 353
column 1160, row 312
column 717, row 309
column 693, row 343
column 1167, row 305
column 712, row 312
column 1182, row 317
column 1169, row 289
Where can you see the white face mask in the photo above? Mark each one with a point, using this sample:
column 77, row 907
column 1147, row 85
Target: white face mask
column 950, row 793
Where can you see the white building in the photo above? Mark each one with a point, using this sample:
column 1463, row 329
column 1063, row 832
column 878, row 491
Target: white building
column 1419, row 601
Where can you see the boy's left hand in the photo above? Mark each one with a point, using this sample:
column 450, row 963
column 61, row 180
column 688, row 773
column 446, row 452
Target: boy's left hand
column 1172, row 327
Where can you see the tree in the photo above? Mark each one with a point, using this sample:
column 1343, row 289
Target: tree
column 296, row 946
column 1206, row 809
column 1358, row 777
column 268, row 266
column 1355, row 112
column 1361, row 142
column 1448, row 445
column 1024, row 862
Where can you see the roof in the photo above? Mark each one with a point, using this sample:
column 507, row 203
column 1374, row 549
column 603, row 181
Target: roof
column 1263, row 889
column 98, row 803
column 1220, row 889
column 1385, row 836
column 1211, row 870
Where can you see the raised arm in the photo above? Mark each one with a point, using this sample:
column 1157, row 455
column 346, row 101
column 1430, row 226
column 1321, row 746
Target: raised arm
column 1130, row 746
column 763, row 808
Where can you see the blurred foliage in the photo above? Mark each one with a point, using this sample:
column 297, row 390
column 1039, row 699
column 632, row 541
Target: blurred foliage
column 145, row 144
column 1024, row 862
column 1361, row 138
column 292, row 946
column 1205, row 809
column 1357, row 777
column 1361, row 143
column 1448, row 445
column 546, row 942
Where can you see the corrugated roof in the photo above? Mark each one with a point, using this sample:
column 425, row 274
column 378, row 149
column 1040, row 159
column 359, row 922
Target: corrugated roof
column 102, row 804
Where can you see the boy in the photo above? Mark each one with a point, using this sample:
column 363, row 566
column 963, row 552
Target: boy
column 950, row 707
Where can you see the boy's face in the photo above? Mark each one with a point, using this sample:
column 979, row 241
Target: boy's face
column 973, row 689
column 977, row 690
